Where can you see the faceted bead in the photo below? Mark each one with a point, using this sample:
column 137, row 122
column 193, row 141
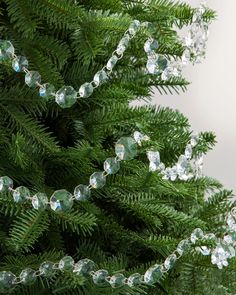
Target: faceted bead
column 182, row 165
column 134, row 280
column 40, row 201
column 117, row 280
column 32, row 79
column 126, row 148
column 183, row 246
column 153, row 274
column 186, row 57
column 151, row 65
column 196, row 235
column 167, row 173
column 204, row 250
column 84, row 267
column 46, row 90
column 154, row 158
column 170, row 261
column 228, row 239
column 66, row 263
column 66, row 97
column 100, row 77
column 134, row 27
column 112, row 62
column 188, row 152
column 194, row 140
column 27, row 276
column 139, row 137
column 86, row 90
column 151, row 45
column 82, row 192
column 46, row 269
column 6, row 50
column 7, row 280
column 173, row 173
column 231, row 221
column 97, row 180
column 20, row 63
column 162, row 63
column 167, row 74
column 161, row 167
column 111, row 165
column 99, row 277
column 61, row 200
column 21, row 194
column 5, row 183
column 123, row 44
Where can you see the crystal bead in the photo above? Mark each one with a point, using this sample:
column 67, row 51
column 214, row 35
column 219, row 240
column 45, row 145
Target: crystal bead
column 123, row 44
column 99, row 277
column 6, row 50
column 210, row 236
column 27, row 276
column 112, row 62
column 151, row 45
column 7, row 280
column 198, row 166
column 151, row 65
column 167, row 74
column 221, row 254
column 46, row 269
column 100, row 77
column 231, row 221
column 126, row 148
column 61, row 200
column 111, row 165
column 188, row 41
column 153, row 274
column 170, row 261
column 66, row 263
column 161, row 167
column 134, row 27
column 162, row 63
column 194, row 140
column 183, row 246
column 117, row 280
column 228, row 239
column 204, row 250
column 97, row 180
column 186, row 57
column 182, row 165
column 46, row 90
column 196, row 235
column 20, row 194
column 134, row 280
column 173, row 173
column 86, row 90
column 82, row 192
column 188, row 152
column 32, row 79
column 84, row 267
column 66, row 97
column 5, row 183
column 40, row 201
column 139, row 137
column 20, row 63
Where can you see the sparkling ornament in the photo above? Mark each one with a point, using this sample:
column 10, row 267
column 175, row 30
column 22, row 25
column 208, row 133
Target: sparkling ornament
column 111, row 165
column 123, row 44
column 167, row 74
column 139, row 137
column 20, row 63
column 97, row 180
column 112, row 62
column 66, row 263
column 196, row 235
column 134, row 280
column 194, row 139
column 134, row 27
column 21, row 194
column 82, row 192
column 100, row 77
column 40, row 201
column 150, row 45
column 84, row 267
column 6, row 50
column 86, row 90
column 154, row 158
column 170, row 261
column 153, row 274
column 46, row 90
column 186, row 57
column 32, row 79
column 27, row 276
column 126, row 148
column 46, row 269
column 182, row 165
column 188, row 151
column 7, row 280
column 221, row 254
column 204, row 250
column 6, row 183
column 183, row 246
column 99, row 277
column 117, row 280
column 61, row 200
column 66, row 97
column 231, row 221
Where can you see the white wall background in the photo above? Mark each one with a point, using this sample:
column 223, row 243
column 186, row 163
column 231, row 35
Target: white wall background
column 210, row 101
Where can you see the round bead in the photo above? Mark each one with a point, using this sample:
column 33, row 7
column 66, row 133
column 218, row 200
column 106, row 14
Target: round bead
column 86, row 90
column 84, row 267
column 170, row 261
column 20, row 63
column 66, row 97
column 126, row 148
column 100, row 77
column 21, row 194
column 32, row 79
column 6, row 50
column 27, row 276
column 40, row 201
column 5, row 183
column 97, row 180
column 82, row 192
column 61, row 200
column 46, row 269
column 134, row 280
column 46, row 90
column 7, row 280
column 117, row 280
column 66, row 263
column 153, row 274
column 111, row 165
column 99, row 277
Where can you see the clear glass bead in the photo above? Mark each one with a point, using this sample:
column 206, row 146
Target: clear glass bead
column 167, row 74
column 183, row 246
column 154, row 159
column 153, row 274
column 7, row 281
column 66, row 263
column 86, row 90
column 188, row 152
column 151, row 65
column 20, row 63
column 139, row 137
column 112, row 62
column 150, row 45
column 196, row 235
column 126, row 148
column 32, row 79
column 134, row 27
column 21, row 194
column 231, row 221
column 66, row 97
column 134, row 280
column 194, row 139
column 40, row 201
column 99, row 277
column 182, row 165
column 186, row 57
column 162, row 63
column 84, row 267
column 117, row 280
column 61, row 200
column 123, row 44
column 46, row 269
column 82, row 192
column 204, row 250
column 46, row 90
column 27, row 276
column 100, row 77
column 170, row 261
column 97, row 180
column 5, row 183
column 111, row 165
column 6, row 49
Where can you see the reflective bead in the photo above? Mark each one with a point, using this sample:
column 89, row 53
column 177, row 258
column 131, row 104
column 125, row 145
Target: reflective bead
column 154, row 158
column 6, row 50
column 139, row 137
column 7, row 281
column 204, row 250
column 153, row 274
column 40, row 201
column 32, row 79
column 66, row 97
column 46, row 269
column 100, row 77
column 231, row 221
column 99, row 277
column 66, row 263
column 126, row 148
column 123, row 44
column 186, row 57
column 84, row 267
column 61, row 200
column 134, row 280
column 170, row 261
column 82, row 192
column 182, row 165
column 117, row 280
column 112, row 62
column 111, row 165
column 194, row 139
column 183, row 246
column 162, row 63
column 27, row 276
column 188, row 152
column 97, row 180
column 21, row 194
column 46, row 90
column 86, row 90
column 151, row 65
column 150, row 45
column 196, row 235
column 20, row 63
column 134, row 27
column 5, row 183
column 167, row 74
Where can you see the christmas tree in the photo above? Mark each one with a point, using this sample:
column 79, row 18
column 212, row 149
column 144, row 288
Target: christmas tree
column 87, row 205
